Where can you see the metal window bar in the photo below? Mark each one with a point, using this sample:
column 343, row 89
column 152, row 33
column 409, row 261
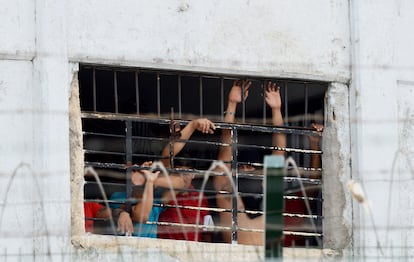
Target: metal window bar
column 136, row 75
column 237, row 174
column 263, row 102
column 116, row 92
column 158, row 95
column 286, row 99
column 243, row 102
column 201, row 95
column 295, row 148
column 128, row 156
column 97, row 200
column 222, row 98
column 179, row 97
column 94, row 88
column 306, row 104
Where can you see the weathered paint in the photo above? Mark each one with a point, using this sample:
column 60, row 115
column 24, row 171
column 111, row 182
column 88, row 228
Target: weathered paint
column 365, row 44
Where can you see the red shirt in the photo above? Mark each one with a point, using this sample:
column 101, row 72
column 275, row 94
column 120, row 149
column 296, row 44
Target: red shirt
column 91, row 209
column 189, row 216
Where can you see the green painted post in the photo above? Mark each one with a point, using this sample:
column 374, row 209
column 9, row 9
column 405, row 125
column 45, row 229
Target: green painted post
column 274, row 206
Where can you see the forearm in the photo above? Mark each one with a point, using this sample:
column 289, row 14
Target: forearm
column 230, row 113
column 176, row 147
column 104, row 213
column 177, row 182
column 315, row 158
column 225, row 153
column 279, row 139
column 141, row 211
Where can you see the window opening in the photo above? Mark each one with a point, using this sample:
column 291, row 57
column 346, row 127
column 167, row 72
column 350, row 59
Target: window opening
column 126, row 118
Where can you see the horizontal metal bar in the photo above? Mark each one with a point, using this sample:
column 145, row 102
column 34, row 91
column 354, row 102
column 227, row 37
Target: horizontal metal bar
column 151, row 118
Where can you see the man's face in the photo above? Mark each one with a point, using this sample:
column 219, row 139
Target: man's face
column 250, row 169
column 246, row 168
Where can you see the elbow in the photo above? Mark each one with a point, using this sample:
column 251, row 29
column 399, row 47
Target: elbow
column 138, row 217
column 143, row 219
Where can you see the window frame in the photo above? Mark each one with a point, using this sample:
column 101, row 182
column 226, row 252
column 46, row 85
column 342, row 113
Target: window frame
column 72, row 162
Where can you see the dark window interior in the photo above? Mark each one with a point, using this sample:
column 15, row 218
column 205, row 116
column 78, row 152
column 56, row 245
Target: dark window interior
column 144, row 101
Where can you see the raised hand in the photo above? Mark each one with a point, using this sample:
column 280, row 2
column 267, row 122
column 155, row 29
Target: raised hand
column 272, row 95
column 319, row 129
column 235, row 95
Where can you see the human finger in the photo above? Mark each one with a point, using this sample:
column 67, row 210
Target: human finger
column 206, row 126
column 237, row 82
column 210, row 127
column 247, row 84
column 120, row 228
column 128, row 227
column 269, row 86
column 317, row 127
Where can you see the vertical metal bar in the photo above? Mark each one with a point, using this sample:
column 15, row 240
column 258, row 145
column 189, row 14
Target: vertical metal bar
column 222, row 98
column 306, row 118
column 285, row 98
column 173, row 137
column 243, row 104
column 264, row 101
column 179, row 97
column 306, row 157
column 234, row 171
column 158, row 95
column 292, row 138
column 274, row 205
column 201, row 96
column 94, row 88
column 116, row 91
column 137, row 92
column 128, row 158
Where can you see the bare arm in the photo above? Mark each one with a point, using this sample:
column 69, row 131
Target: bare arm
column 225, row 152
column 235, row 97
column 140, row 212
column 104, row 213
column 272, row 97
column 202, row 124
column 314, row 145
column 177, row 182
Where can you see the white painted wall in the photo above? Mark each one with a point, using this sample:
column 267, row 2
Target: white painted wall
column 365, row 42
column 382, row 93
column 295, row 38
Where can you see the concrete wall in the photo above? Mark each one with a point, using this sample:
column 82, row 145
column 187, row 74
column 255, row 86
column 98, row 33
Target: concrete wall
column 382, row 100
column 364, row 42
column 265, row 37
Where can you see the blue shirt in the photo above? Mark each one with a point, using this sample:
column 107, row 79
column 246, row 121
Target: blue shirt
column 142, row 230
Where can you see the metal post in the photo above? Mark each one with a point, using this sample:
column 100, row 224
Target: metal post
column 235, row 175
column 128, row 154
column 274, row 205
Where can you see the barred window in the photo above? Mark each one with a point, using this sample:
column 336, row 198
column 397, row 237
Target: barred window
column 129, row 115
